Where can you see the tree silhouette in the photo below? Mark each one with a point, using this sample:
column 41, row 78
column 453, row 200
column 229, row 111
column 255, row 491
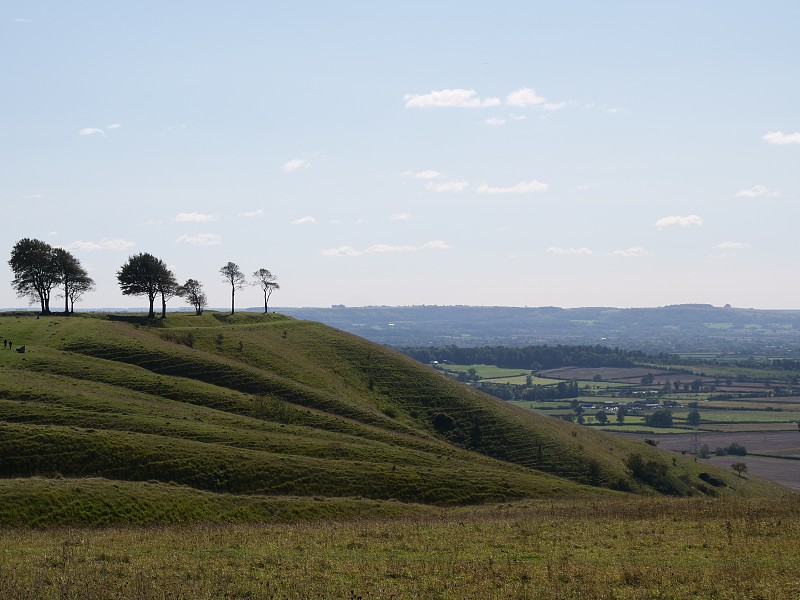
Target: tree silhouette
column 232, row 274
column 142, row 275
column 72, row 276
column 36, row 271
column 267, row 282
column 193, row 293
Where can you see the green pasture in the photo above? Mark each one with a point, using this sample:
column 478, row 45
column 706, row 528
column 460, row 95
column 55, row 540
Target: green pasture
column 620, row 547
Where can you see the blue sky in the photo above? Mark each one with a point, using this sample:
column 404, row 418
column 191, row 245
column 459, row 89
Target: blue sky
column 518, row 153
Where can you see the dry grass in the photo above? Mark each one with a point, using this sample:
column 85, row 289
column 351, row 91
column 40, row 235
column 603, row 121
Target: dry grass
column 614, row 548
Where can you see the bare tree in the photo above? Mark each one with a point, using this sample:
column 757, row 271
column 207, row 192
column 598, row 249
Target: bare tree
column 193, row 293
column 268, row 283
column 231, row 273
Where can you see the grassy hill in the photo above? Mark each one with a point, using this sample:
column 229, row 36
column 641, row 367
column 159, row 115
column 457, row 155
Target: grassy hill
column 248, row 417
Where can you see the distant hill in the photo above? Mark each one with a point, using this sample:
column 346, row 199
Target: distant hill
column 680, row 328
column 221, row 417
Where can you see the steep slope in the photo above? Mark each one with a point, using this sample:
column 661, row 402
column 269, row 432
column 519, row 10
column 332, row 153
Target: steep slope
column 253, row 406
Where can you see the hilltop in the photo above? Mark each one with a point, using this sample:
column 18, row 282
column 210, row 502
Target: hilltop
column 245, row 417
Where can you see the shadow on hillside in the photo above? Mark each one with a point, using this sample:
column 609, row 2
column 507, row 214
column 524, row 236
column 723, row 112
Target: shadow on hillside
column 142, row 320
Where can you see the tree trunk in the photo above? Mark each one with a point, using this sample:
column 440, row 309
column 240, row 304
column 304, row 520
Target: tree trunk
column 163, row 307
column 66, row 298
column 266, row 299
column 233, row 293
column 152, row 313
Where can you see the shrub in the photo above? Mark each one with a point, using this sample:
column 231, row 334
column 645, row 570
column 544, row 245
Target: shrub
column 660, row 418
column 442, row 422
column 657, row 475
column 736, row 450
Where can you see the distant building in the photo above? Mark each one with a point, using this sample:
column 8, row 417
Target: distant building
column 338, row 306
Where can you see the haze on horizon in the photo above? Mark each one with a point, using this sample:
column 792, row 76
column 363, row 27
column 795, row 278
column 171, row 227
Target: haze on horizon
column 523, row 154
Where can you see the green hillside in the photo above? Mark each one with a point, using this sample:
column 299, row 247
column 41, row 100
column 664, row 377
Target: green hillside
column 251, row 417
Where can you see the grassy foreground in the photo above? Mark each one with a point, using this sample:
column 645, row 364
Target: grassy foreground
column 609, row 548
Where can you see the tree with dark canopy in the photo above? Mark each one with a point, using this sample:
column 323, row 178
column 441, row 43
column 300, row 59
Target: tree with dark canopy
column 73, row 277
column 231, row 273
column 167, row 287
column 143, row 275
column 268, row 283
column 36, row 271
column 192, row 292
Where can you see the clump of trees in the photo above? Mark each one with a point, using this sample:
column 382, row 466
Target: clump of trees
column 40, row 269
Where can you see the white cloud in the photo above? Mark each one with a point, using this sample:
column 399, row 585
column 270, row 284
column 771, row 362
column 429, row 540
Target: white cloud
column 523, row 187
column 524, row 97
column 557, row 250
column 304, row 220
column 635, row 251
column 295, row 165
column 104, row 244
column 341, row 251
column 734, row 245
column 252, row 213
column 91, row 131
column 448, row 186
column 554, row 105
column 114, row 126
column 403, row 216
column 458, row 98
column 690, row 221
column 383, row 248
column 495, row 121
column 756, row 191
column 200, row 239
column 435, row 245
column 778, row 137
column 194, row 218
column 429, row 174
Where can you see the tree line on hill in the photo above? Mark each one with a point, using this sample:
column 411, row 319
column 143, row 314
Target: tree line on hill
column 532, row 358
column 40, row 270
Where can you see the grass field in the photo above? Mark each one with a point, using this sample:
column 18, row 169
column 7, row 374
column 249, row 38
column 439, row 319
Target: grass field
column 623, row 548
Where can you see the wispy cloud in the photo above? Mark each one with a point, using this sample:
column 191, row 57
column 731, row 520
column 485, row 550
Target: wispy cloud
column 447, row 186
column 523, row 187
column 386, row 249
column 674, row 220
column 557, row 250
column 458, row 98
column 780, row 138
column 524, row 97
column 429, row 174
column 21, row 20
column 757, row 191
column 99, row 131
column 295, row 165
column 252, row 213
column 104, row 244
column 495, row 121
column 307, row 220
column 734, row 246
column 635, row 251
column 92, row 131
column 200, row 239
column 383, row 248
column 403, row 216
column 194, row 218
column 341, row 251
